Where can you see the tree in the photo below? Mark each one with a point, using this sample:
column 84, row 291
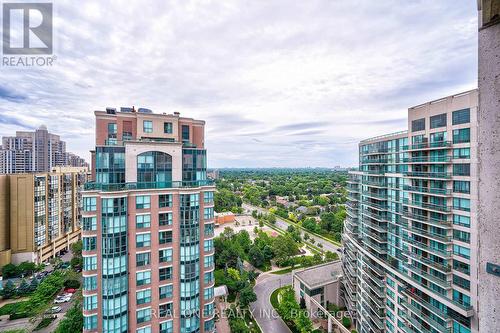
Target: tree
column 73, row 321
column 33, row 285
column 8, row 290
column 271, row 218
column 303, row 322
column 256, row 256
column 247, row 296
column 284, row 247
column 73, row 284
column 26, row 268
column 23, row 288
column 9, row 270
column 288, row 305
column 76, row 248
column 331, row 256
column 234, row 274
column 306, row 236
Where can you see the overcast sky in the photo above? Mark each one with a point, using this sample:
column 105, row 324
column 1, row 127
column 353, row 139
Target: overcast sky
column 279, row 83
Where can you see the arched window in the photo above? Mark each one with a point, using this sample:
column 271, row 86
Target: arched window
column 154, row 167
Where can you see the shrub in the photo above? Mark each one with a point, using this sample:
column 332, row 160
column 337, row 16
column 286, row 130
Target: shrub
column 73, row 284
column 346, row 322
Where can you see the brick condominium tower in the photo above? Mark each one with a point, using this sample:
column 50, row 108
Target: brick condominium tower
column 148, row 226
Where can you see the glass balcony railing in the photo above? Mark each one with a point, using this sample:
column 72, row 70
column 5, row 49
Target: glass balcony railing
column 428, row 145
column 428, row 220
column 427, row 159
column 425, row 247
column 93, row 186
column 427, row 205
column 434, row 279
column 433, row 175
column 430, row 190
column 420, row 313
column 378, row 196
column 428, row 234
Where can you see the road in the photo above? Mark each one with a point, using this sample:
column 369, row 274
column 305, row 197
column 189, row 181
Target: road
column 282, row 224
column 268, row 319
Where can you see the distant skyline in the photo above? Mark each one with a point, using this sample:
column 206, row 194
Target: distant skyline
column 280, row 84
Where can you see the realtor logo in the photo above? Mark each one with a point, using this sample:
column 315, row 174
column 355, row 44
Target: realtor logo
column 27, row 28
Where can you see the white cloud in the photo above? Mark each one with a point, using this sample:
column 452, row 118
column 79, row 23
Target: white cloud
column 249, row 68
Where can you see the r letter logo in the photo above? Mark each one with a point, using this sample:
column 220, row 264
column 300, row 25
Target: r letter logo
column 27, row 28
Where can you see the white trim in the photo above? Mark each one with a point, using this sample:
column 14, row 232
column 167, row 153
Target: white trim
column 139, row 252
column 142, row 270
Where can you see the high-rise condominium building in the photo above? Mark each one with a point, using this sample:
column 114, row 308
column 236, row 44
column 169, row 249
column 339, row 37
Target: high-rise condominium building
column 410, row 259
column 37, row 151
column 148, row 226
column 40, row 214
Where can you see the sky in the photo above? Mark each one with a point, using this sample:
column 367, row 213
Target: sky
column 280, row 83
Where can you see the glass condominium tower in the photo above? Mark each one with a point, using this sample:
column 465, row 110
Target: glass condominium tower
column 409, row 255
column 148, row 226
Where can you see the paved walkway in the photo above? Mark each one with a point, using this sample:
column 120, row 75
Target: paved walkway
column 268, row 319
column 222, row 324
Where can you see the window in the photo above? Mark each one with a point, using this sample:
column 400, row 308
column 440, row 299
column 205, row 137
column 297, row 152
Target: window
column 185, row 132
column 461, row 220
column 165, row 310
column 143, row 259
column 90, row 204
column 208, row 277
column 112, row 128
column 89, row 243
column 165, row 273
column 208, row 197
column 461, row 298
column 143, row 296
column 165, row 200
column 165, row 255
column 167, row 128
column 208, row 213
column 165, row 219
column 165, row 237
column 461, row 169
column 148, row 126
column 208, row 293
column 461, row 117
column 143, row 240
column 90, row 263
column 89, row 223
column 167, row 327
column 462, row 236
column 457, row 328
column 208, row 261
column 461, row 204
column 166, row 291
column 461, row 186
column 143, row 278
column 143, row 221
column 438, row 137
column 418, row 125
column 208, row 310
column 461, row 135
column 146, row 329
column 461, row 251
column 90, row 322
column 208, row 245
column 460, row 153
column 90, row 302
column 143, row 315
column 461, row 266
column 90, row 282
column 438, row 120
column 143, row 202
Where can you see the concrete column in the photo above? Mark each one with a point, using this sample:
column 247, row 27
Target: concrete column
column 330, row 325
column 489, row 162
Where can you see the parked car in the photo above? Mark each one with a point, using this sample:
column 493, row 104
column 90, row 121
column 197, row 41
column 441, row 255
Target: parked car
column 54, row 309
column 62, row 299
column 70, row 290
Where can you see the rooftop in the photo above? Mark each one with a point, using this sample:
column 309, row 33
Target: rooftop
column 320, row 275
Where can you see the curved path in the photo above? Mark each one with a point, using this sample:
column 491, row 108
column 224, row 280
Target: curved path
column 268, row 319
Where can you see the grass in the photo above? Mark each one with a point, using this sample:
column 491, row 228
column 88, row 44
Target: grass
column 285, row 270
column 44, row 323
column 274, row 297
column 11, row 308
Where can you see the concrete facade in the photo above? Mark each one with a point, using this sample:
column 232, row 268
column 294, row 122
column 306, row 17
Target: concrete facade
column 321, row 283
column 409, row 238
column 489, row 162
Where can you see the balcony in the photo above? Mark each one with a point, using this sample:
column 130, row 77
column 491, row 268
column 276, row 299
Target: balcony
column 427, row 159
column 428, row 234
column 428, row 145
column 443, row 284
column 377, row 196
column 427, row 220
column 427, row 305
column 436, row 191
column 93, row 186
column 425, row 247
column 428, row 319
column 381, row 249
column 374, row 205
column 426, row 205
column 432, row 175
column 431, row 263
